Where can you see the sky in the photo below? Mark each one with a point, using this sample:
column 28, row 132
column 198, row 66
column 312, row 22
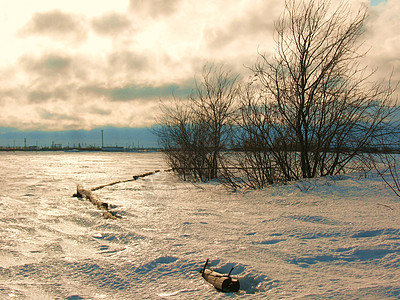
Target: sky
column 81, row 65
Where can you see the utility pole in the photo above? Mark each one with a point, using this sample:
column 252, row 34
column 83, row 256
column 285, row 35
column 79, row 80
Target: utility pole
column 102, row 139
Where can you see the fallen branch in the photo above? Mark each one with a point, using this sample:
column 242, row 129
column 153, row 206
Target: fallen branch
column 384, row 205
column 136, row 177
column 221, row 282
column 92, row 197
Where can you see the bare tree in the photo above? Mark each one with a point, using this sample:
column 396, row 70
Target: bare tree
column 386, row 164
column 252, row 164
column 180, row 136
column 194, row 131
column 315, row 110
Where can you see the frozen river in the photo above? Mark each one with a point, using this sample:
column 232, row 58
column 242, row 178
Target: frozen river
column 332, row 238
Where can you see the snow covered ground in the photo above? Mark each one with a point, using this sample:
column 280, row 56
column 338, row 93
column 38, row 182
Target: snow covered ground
column 335, row 238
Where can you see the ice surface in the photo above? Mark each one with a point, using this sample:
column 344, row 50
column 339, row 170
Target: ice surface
column 332, row 238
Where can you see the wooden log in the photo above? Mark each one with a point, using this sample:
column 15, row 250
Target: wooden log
column 92, row 197
column 110, row 215
column 222, row 282
column 109, row 184
column 135, row 177
column 145, row 174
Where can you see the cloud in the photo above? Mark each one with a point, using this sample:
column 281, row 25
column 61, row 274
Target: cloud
column 48, row 94
column 135, row 92
column 251, row 26
column 111, row 24
column 7, row 95
column 58, row 74
column 119, row 77
column 81, row 112
column 99, row 111
column 56, row 24
column 154, row 8
column 47, row 114
column 39, row 96
column 50, row 64
column 109, row 67
column 382, row 37
column 128, row 61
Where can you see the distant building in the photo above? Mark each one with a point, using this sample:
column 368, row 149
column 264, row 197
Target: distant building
column 113, row 149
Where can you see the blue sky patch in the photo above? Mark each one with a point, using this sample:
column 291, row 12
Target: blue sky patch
column 376, row 2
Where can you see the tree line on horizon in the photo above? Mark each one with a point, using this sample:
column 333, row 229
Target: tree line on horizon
column 308, row 110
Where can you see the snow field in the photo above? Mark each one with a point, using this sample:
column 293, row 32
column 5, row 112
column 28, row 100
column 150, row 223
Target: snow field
column 335, row 238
